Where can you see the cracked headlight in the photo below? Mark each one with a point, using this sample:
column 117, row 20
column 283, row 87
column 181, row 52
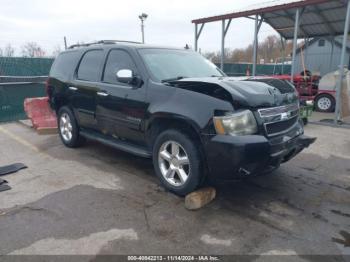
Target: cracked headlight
column 236, row 124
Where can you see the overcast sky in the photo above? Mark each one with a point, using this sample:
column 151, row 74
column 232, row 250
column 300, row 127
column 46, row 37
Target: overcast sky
column 169, row 22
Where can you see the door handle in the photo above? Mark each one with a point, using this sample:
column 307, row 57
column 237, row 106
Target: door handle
column 102, row 94
column 72, row 88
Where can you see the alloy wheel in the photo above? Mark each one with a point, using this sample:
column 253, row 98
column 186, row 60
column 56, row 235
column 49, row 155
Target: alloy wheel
column 174, row 163
column 66, row 127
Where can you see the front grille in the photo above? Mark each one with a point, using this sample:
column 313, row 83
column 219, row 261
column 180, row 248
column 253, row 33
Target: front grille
column 281, row 126
column 278, row 120
column 272, row 111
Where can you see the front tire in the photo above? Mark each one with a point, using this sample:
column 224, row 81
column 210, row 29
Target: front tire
column 325, row 103
column 177, row 162
column 68, row 127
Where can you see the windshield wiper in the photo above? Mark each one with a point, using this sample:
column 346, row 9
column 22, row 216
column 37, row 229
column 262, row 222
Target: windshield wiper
column 173, row 79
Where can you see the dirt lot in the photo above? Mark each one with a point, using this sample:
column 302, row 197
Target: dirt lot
column 97, row 200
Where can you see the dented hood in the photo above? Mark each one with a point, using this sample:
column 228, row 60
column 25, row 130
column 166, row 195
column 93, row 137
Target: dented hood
column 244, row 91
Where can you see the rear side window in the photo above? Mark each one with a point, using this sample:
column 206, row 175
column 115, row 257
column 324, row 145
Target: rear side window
column 89, row 68
column 117, row 60
column 64, row 65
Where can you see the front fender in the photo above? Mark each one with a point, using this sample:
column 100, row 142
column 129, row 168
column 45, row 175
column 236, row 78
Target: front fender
column 195, row 108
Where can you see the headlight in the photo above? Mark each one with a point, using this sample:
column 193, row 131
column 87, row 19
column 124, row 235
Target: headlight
column 236, row 124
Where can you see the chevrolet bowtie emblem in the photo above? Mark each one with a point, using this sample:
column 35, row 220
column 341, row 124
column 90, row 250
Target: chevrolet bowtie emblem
column 285, row 115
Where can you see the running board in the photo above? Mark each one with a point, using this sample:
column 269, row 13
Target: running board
column 116, row 143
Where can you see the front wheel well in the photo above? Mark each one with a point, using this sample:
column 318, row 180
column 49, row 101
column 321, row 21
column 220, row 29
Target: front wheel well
column 161, row 124
column 324, row 94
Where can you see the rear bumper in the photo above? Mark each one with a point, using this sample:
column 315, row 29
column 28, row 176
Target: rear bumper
column 231, row 157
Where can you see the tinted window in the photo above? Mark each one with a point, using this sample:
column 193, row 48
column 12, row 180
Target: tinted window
column 89, row 68
column 64, row 65
column 117, row 60
column 173, row 63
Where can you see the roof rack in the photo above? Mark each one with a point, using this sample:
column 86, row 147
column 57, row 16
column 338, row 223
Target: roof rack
column 104, row 42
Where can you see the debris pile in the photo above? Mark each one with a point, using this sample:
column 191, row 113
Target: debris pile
column 39, row 112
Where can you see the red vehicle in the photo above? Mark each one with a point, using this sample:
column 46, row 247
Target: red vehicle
column 307, row 86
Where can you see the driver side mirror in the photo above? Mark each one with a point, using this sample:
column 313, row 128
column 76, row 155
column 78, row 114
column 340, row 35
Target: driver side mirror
column 127, row 76
column 124, row 76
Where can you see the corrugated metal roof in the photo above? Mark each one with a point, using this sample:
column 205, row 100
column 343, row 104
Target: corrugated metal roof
column 319, row 17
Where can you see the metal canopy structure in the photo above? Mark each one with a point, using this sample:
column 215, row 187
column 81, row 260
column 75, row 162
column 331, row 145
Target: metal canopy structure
column 292, row 19
column 320, row 17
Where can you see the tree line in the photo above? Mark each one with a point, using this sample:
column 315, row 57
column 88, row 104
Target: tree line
column 29, row 49
column 269, row 50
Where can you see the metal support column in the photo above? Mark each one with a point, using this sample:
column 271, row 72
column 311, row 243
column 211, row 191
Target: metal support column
column 306, row 51
column 295, row 41
column 197, row 35
column 143, row 31
column 224, row 30
column 222, row 45
column 342, row 63
column 255, row 50
column 283, row 47
column 255, row 45
column 332, row 54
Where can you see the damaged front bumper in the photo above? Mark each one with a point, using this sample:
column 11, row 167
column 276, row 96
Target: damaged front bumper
column 232, row 157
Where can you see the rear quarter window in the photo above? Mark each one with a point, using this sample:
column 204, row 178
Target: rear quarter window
column 90, row 65
column 64, row 65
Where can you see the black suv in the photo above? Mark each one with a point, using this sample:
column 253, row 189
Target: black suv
column 175, row 107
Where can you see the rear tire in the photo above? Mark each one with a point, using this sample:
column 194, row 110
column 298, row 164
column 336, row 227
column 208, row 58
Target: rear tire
column 325, row 103
column 68, row 128
column 177, row 162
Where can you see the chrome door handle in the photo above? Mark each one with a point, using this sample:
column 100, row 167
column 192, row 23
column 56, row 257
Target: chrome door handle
column 102, row 94
column 73, row 88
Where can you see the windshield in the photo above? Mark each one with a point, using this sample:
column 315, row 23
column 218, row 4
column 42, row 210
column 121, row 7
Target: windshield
column 166, row 64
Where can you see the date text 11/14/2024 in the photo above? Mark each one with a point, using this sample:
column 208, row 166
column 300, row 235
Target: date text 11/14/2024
column 174, row 258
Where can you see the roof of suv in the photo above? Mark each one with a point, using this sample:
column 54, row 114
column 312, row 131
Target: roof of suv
column 112, row 43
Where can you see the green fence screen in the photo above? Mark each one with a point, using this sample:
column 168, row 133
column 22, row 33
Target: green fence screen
column 25, row 66
column 12, row 95
column 19, row 80
column 241, row 69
